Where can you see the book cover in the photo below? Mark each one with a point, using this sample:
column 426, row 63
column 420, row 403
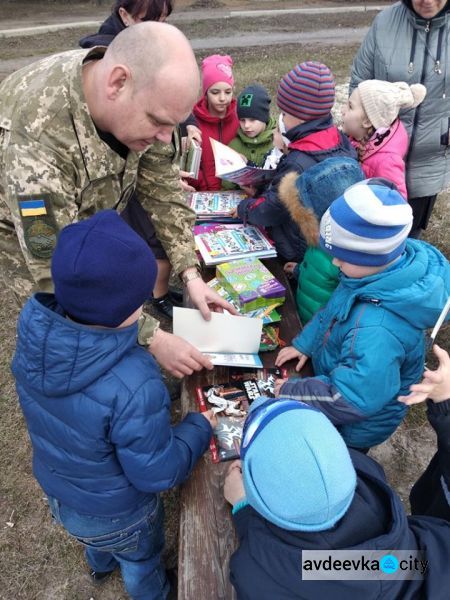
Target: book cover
column 218, row 243
column 190, row 159
column 231, row 401
column 232, row 167
column 215, row 206
column 250, row 283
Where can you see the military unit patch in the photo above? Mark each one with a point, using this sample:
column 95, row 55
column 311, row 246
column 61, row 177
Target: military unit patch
column 39, row 225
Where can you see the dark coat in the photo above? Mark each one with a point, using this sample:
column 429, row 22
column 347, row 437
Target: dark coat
column 105, row 35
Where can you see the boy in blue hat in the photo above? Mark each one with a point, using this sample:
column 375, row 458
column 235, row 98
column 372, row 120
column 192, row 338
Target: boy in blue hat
column 96, row 407
column 297, row 489
column 367, row 343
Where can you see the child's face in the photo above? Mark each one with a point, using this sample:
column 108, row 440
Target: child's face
column 219, row 97
column 354, row 119
column 356, row 271
column 252, row 127
column 290, row 121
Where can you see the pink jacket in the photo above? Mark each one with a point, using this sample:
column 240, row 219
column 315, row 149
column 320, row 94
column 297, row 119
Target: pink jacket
column 386, row 158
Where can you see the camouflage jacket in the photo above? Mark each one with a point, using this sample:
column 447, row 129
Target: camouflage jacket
column 55, row 169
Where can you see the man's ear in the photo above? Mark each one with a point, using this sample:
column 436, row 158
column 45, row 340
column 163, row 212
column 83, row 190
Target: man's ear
column 119, row 77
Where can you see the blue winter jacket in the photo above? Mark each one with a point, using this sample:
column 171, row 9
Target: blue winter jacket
column 268, row 562
column 367, row 344
column 98, row 413
column 267, row 209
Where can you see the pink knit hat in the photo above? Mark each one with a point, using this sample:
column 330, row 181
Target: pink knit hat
column 215, row 68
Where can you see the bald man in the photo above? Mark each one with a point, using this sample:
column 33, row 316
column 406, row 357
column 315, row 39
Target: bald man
column 79, row 132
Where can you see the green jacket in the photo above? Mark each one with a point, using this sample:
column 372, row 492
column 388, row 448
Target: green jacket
column 50, row 151
column 254, row 149
column 317, row 280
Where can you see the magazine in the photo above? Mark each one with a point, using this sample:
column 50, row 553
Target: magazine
column 232, row 167
column 190, row 159
column 218, row 243
column 215, row 206
column 250, row 284
column 231, row 401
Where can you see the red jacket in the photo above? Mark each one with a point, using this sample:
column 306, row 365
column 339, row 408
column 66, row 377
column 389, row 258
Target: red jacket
column 222, row 130
column 387, row 158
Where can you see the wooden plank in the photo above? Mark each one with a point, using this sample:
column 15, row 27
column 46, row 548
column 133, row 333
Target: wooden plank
column 207, row 539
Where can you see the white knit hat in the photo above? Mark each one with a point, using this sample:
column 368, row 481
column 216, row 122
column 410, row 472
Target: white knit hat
column 382, row 100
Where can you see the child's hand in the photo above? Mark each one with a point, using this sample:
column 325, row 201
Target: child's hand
column 233, row 489
column 210, row 416
column 435, row 384
column 234, row 213
column 277, row 386
column 289, row 267
column 250, row 190
column 289, row 353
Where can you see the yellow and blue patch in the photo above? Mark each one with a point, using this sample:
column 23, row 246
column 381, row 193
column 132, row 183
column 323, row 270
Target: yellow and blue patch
column 32, row 207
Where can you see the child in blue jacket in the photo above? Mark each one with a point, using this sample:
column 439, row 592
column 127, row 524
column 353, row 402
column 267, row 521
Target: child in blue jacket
column 96, row 407
column 305, row 97
column 297, row 490
column 370, row 334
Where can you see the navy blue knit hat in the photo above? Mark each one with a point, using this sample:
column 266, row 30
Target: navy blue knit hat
column 307, row 91
column 296, row 467
column 102, row 270
column 367, row 225
column 254, row 103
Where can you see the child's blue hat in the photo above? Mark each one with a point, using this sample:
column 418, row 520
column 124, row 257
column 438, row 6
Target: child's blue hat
column 368, row 225
column 296, row 467
column 102, row 270
column 309, row 195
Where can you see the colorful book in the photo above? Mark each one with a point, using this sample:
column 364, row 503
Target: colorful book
column 218, row 243
column 215, row 206
column 250, row 284
column 231, row 401
column 232, row 167
column 190, row 159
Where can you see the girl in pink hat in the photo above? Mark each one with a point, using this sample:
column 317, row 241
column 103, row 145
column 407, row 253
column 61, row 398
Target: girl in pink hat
column 216, row 115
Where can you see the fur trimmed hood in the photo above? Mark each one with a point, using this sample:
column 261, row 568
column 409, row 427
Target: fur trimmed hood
column 303, row 217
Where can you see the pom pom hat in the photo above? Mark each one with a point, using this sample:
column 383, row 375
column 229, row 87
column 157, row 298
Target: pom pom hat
column 382, row 100
column 367, row 225
column 296, row 468
column 102, row 270
column 215, row 68
column 307, row 91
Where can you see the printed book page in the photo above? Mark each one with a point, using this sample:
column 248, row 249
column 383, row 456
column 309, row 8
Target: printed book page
column 232, row 167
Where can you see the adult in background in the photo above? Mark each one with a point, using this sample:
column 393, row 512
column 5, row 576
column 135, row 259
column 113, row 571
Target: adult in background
column 409, row 42
column 79, row 132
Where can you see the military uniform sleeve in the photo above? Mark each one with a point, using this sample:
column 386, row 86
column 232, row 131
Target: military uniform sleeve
column 159, row 190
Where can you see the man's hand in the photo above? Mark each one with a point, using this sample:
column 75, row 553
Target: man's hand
column 211, row 417
column 289, row 353
column 176, row 355
column 193, row 133
column 435, row 384
column 184, row 184
column 206, row 299
column 233, row 489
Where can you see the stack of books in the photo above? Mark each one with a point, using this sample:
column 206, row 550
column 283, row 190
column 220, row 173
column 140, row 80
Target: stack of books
column 190, row 159
column 215, row 206
column 222, row 242
column 250, row 284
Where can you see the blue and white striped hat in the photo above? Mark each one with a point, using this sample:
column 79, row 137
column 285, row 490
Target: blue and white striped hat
column 367, row 225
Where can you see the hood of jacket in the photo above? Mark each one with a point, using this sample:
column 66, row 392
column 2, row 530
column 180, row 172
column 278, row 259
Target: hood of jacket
column 305, row 218
column 56, row 356
column 394, row 140
column 201, row 110
column 265, row 136
column 421, row 20
column 415, row 287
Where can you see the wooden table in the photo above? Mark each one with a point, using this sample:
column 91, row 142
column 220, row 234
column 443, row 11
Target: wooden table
column 207, row 537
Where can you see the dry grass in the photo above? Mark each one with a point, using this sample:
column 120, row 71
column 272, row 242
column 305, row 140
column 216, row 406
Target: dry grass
column 38, row 561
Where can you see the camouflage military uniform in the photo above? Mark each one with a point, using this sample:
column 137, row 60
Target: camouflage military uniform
column 55, row 169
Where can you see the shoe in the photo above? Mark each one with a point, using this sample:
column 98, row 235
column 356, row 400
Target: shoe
column 99, row 577
column 164, row 305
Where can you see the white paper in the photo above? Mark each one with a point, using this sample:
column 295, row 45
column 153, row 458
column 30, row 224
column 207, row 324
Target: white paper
column 223, row 333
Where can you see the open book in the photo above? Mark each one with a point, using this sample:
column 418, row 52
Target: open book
column 231, row 166
column 190, row 159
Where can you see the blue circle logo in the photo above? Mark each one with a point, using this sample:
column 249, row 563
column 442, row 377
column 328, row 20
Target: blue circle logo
column 389, row 563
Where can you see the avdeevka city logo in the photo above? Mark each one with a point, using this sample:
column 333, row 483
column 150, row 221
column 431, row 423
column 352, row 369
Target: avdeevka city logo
column 389, row 563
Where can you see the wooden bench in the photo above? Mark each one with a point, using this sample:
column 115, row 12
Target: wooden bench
column 207, row 537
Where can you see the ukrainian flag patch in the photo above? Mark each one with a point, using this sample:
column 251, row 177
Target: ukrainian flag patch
column 32, row 207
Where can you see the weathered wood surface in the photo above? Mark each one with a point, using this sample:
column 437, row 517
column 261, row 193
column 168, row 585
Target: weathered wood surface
column 207, row 537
